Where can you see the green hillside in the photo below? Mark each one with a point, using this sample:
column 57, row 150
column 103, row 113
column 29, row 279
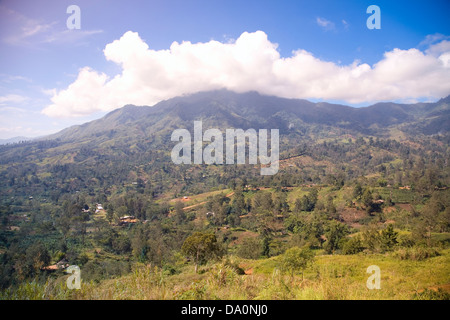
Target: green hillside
column 356, row 187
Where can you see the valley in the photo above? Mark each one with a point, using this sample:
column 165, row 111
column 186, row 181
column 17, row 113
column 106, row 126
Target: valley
column 355, row 187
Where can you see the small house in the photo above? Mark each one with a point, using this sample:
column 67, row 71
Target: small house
column 62, row 264
column 127, row 220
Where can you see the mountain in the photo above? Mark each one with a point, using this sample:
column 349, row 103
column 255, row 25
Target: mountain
column 226, row 109
column 14, row 140
column 341, row 170
column 319, row 143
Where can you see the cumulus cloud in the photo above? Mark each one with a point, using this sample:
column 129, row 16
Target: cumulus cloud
column 251, row 62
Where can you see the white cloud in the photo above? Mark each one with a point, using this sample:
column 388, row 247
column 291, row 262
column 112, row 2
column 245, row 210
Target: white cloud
column 251, row 62
column 12, row 98
column 433, row 39
column 345, row 24
column 12, row 110
column 20, row 30
column 439, row 48
column 11, row 78
column 69, row 36
column 325, row 24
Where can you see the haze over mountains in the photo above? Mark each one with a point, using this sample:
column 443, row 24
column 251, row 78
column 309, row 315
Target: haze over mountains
column 226, row 109
column 14, row 140
column 131, row 130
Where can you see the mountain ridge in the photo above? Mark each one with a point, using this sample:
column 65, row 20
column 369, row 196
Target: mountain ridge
column 225, row 108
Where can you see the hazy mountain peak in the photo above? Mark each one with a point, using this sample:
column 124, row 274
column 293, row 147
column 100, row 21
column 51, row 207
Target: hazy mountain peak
column 225, row 109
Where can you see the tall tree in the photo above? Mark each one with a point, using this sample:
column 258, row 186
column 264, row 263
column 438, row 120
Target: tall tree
column 388, row 238
column 335, row 233
column 201, row 247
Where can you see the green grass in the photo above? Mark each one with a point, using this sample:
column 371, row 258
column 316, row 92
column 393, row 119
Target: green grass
column 297, row 193
column 335, row 277
column 398, row 195
column 196, row 199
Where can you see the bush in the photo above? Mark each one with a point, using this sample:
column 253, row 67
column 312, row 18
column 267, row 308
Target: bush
column 405, row 240
column 83, row 259
column 201, row 247
column 100, row 270
column 335, row 236
column 296, row 259
column 353, row 246
column 416, row 253
column 169, row 269
column 196, row 291
column 429, row 294
column 388, row 238
column 366, row 220
column 251, row 248
column 59, row 255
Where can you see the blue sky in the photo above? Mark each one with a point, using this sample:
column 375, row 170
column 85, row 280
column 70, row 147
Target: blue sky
column 50, row 75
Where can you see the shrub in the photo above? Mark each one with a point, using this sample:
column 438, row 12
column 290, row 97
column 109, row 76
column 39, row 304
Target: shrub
column 335, row 234
column 405, row 240
column 201, row 247
column 296, row 259
column 169, row 269
column 251, row 248
column 416, row 253
column 353, row 246
column 388, row 238
column 429, row 294
column 195, row 291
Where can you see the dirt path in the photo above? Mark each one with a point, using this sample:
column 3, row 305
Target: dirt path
column 194, row 205
column 203, row 202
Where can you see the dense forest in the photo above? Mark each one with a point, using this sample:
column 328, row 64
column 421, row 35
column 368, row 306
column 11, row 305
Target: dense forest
column 110, row 203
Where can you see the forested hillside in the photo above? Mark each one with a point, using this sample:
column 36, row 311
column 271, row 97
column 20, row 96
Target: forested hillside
column 106, row 196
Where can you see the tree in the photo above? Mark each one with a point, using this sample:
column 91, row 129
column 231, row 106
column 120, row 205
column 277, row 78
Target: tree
column 139, row 244
column 239, row 201
column 330, row 207
column 298, row 205
column 266, row 245
column 311, row 200
column 430, row 214
column 357, row 191
column 280, row 204
column 201, row 247
column 353, row 246
column 367, row 198
column 251, row 248
column 110, row 214
column 179, row 213
column 388, row 238
column 36, row 257
column 382, row 182
column 307, row 202
column 262, row 203
column 296, row 259
column 336, row 232
column 371, row 238
column 122, row 211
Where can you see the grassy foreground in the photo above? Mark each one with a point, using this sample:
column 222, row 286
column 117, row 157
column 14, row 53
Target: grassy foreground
column 332, row 277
